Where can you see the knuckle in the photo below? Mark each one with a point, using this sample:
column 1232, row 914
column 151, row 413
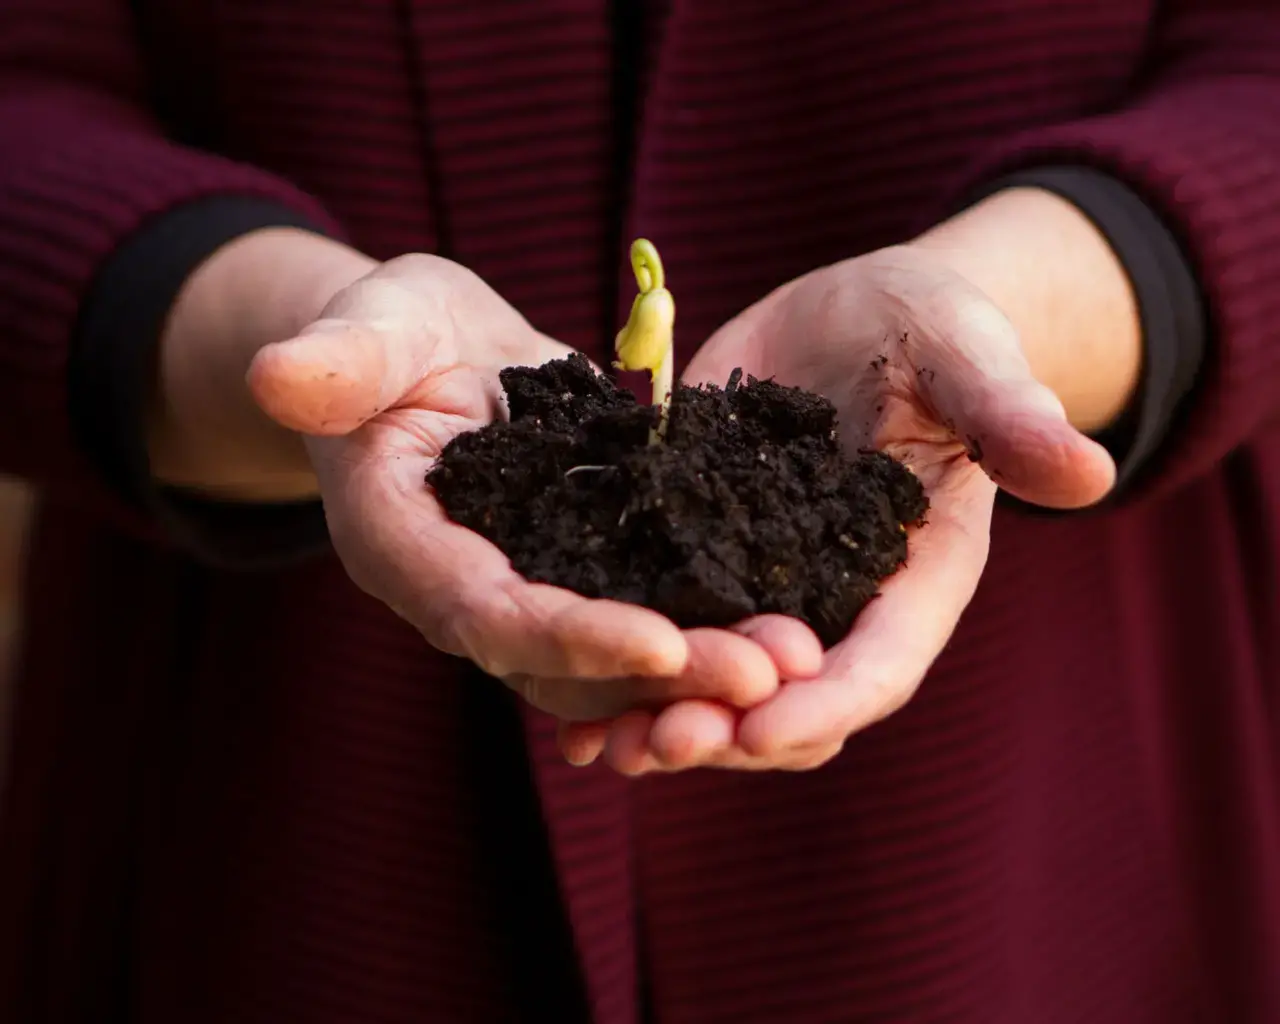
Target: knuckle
column 415, row 264
column 420, row 270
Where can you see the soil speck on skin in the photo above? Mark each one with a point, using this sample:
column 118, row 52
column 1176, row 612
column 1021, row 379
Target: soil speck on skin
column 750, row 505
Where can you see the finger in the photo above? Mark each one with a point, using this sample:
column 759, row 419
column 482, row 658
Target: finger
column 794, row 647
column 581, row 743
column 725, row 666
column 692, row 733
column 337, row 374
column 521, row 629
column 381, row 340
column 979, row 380
column 627, row 749
column 894, row 641
column 695, row 734
column 1038, row 457
column 720, row 666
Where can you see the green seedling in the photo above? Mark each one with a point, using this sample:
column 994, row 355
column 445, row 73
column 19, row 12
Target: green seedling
column 645, row 341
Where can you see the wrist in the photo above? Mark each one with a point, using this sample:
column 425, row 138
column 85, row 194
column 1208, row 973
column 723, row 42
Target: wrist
column 205, row 432
column 1053, row 274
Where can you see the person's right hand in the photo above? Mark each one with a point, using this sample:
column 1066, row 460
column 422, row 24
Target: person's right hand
column 399, row 363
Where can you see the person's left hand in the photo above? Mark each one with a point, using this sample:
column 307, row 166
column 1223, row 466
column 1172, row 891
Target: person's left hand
column 920, row 363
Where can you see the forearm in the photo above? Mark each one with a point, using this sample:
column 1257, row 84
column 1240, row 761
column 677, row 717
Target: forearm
column 1057, row 279
column 205, row 432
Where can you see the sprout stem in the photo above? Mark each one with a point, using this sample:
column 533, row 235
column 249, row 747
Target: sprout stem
column 662, row 381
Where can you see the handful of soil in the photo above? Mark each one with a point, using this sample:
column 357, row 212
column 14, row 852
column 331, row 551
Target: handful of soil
column 749, row 505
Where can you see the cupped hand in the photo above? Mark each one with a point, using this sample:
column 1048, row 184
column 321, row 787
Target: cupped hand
column 921, row 364
column 398, row 364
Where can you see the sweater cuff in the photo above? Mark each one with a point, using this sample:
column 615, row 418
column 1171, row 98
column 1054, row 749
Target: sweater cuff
column 112, row 371
column 1171, row 309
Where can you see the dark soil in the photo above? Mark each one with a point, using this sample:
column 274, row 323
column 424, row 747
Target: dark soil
column 750, row 505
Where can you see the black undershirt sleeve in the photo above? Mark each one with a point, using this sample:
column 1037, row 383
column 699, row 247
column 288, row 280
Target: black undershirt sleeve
column 112, row 370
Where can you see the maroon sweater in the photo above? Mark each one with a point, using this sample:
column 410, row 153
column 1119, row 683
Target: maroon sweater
column 258, row 797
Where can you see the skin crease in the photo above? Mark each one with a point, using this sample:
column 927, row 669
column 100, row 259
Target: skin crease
column 1020, row 330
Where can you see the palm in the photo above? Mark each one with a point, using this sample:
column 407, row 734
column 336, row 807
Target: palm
column 421, row 343
column 878, row 374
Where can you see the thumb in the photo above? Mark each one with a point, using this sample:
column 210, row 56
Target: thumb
column 1015, row 427
column 1019, row 434
column 335, row 375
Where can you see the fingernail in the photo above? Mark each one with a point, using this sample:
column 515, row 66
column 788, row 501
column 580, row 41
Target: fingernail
column 708, row 754
column 648, row 764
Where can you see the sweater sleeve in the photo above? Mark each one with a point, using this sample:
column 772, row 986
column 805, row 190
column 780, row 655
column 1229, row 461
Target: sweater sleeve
column 83, row 167
column 1199, row 141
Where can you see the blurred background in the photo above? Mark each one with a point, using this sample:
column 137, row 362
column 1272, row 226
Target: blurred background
column 15, row 511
